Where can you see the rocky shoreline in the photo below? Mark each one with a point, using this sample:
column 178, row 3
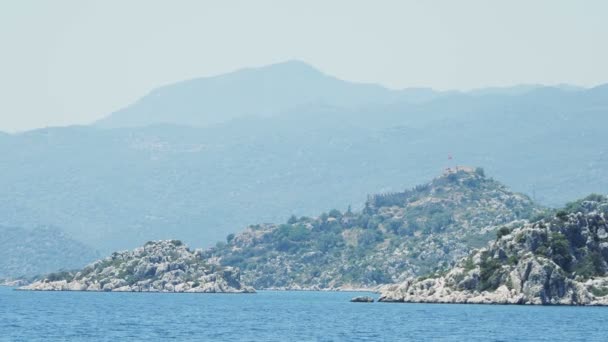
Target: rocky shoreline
column 159, row 266
column 375, row 289
column 560, row 260
column 435, row 291
column 13, row 282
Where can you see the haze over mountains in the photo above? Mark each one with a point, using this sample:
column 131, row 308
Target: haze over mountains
column 203, row 158
column 27, row 253
column 259, row 92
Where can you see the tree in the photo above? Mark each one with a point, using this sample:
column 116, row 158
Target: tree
column 503, row 231
column 560, row 250
column 292, row 219
column 335, row 213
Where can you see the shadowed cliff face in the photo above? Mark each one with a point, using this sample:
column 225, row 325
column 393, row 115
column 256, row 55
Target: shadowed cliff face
column 559, row 259
column 395, row 236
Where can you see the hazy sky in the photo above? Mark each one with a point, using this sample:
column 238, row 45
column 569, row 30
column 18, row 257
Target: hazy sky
column 66, row 62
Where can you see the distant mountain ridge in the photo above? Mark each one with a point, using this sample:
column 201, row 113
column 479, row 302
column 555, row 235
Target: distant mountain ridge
column 276, row 89
column 253, row 92
column 116, row 188
column 25, row 253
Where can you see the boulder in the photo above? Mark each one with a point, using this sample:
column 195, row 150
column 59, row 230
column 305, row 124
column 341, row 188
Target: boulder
column 362, row 299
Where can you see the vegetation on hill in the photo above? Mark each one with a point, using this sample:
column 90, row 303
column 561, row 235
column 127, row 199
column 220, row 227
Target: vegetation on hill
column 561, row 258
column 396, row 235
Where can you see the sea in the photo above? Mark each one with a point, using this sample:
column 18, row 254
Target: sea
column 281, row 316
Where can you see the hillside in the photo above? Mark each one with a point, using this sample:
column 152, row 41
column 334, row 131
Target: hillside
column 396, row 235
column 560, row 259
column 25, row 253
column 158, row 266
column 114, row 188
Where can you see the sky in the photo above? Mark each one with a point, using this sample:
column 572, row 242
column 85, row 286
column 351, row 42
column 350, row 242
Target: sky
column 66, row 62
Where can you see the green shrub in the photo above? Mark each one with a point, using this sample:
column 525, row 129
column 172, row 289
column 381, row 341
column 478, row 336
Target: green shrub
column 489, row 273
column 327, row 241
column 369, row 237
column 292, row 232
column 595, row 198
column 61, row 275
column 378, row 277
column 503, row 231
column 562, row 215
column 542, row 215
column 599, row 292
column 513, row 260
column 542, row 250
column 232, row 260
column 292, row 219
column 469, row 264
column 335, row 213
column 560, row 250
column 590, row 265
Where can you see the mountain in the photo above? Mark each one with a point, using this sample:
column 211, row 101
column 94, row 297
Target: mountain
column 396, row 235
column 560, row 259
column 115, row 188
column 158, row 266
column 263, row 92
column 25, row 253
column 520, row 89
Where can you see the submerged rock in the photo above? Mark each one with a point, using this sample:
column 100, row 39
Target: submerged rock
column 362, row 299
column 159, row 266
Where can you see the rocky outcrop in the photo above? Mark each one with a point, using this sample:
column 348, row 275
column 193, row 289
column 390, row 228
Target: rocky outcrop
column 396, row 235
column 362, row 299
column 561, row 260
column 159, row 266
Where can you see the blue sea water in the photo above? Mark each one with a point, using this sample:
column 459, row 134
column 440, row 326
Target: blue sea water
column 280, row 316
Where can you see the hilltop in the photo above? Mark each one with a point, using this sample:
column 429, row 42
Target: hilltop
column 396, row 235
column 158, row 266
column 559, row 259
column 261, row 92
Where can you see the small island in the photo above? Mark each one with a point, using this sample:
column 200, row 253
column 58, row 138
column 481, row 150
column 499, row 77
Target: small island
column 560, row 259
column 158, row 266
